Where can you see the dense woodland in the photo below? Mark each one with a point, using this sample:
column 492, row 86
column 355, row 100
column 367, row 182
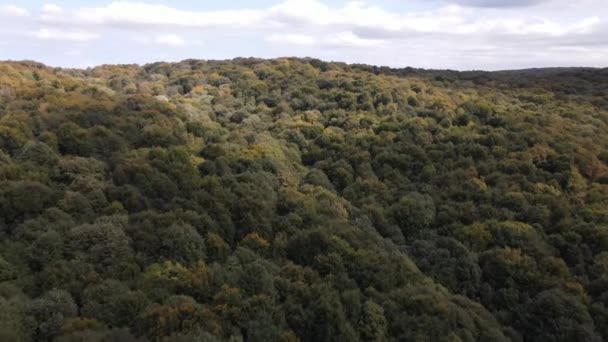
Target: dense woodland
column 299, row 200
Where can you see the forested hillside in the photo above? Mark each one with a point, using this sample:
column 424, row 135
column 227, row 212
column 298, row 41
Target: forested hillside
column 298, row 200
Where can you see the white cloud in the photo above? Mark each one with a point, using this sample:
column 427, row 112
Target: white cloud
column 64, row 35
column 447, row 33
column 293, row 38
column 51, row 9
column 349, row 39
column 301, row 11
column 498, row 3
column 12, row 10
column 170, row 39
column 167, row 39
column 73, row 53
column 125, row 13
column 354, row 24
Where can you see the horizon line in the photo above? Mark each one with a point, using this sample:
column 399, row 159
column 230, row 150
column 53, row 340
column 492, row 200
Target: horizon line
column 301, row 59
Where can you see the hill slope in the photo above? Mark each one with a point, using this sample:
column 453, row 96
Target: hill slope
column 294, row 199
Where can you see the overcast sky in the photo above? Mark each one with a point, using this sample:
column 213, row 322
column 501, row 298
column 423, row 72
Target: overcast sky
column 454, row 34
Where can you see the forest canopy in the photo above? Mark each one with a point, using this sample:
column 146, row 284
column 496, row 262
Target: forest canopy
column 301, row 200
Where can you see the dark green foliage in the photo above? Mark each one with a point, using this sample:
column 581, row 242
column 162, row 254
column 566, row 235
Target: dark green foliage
column 300, row 200
column 555, row 316
column 413, row 213
column 372, row 322
column 181, row 242
column 49, row 312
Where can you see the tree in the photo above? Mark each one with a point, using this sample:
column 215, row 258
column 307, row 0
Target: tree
column 24, row 199
column 112, row 303
column 413, row 212
column 50, row 311
column 104, row 245
column 38, row 153
column 181, row 242
column 556, row 316
column 372, row 324
column 179, row 314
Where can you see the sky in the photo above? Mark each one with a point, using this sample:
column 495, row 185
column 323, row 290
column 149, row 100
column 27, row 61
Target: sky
column 435, row 34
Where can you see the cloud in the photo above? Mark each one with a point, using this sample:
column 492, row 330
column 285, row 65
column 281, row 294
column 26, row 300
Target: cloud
column 455, row 23
column 51, row 9
column 293, row 38
column 337, row 40
column 498, row 3
column 124, row 13
column 300, row 11
column 290, row 13
column 166, row 39
column 64, row 35
column 440, row 33
column 350, row 40
column 355, row 24
column 12, row 10
column 170, row 40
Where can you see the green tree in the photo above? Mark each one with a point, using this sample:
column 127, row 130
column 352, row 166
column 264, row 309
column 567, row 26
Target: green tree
column 413, row 213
